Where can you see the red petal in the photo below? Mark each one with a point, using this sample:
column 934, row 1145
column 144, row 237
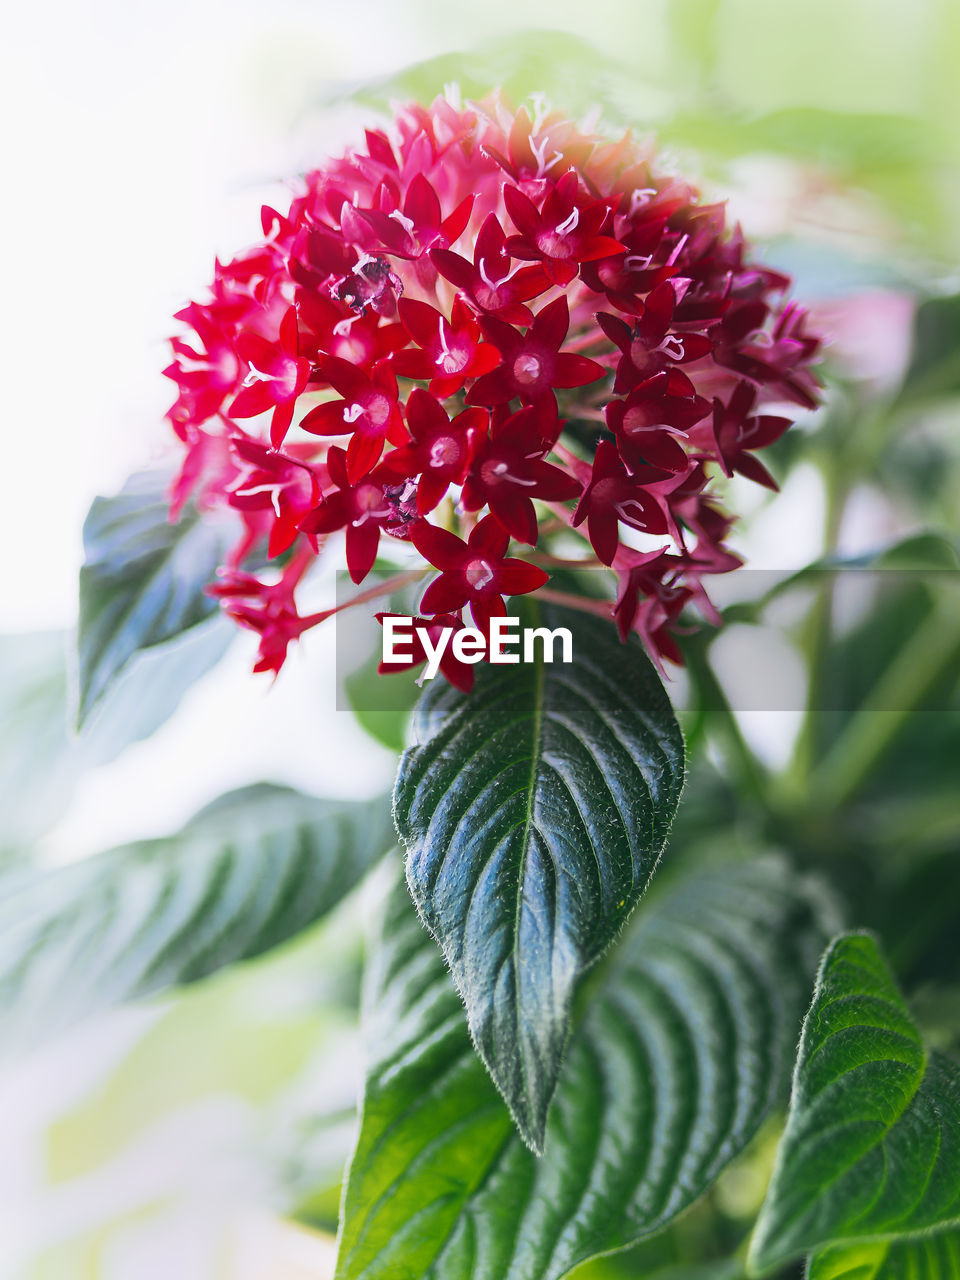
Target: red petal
column 522, row 211
column 515, row 512
column 518, row 578
column 327, row 419
column 344, row 377
column 447, row 592
column 602, row 526
column 550, row 327
column 443, row 549
column 362, row 542
column 575, row 371
column 363, row 454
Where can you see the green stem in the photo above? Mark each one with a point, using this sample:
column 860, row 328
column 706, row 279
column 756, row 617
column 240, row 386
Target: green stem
column 895, row 697
column 744, row 763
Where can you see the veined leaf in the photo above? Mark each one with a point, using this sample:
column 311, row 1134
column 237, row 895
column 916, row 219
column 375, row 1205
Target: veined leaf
column 872, row 1143
column 243, row 875
column 142, row 579
column 533, row 812
column 683, row 1043
column 928, row 1258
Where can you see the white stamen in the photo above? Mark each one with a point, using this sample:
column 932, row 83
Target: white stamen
column 443, row 338
column 272, row 489
column 640, row 199
column 539, row 149
column 541, row 109
column 569, row 223
column 671, row 346
column 405, row 222
column 354, row 412
column 342, row 327
column 255, row 375
column 637, row 261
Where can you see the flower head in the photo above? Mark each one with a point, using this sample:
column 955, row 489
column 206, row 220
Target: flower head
column 477, row 327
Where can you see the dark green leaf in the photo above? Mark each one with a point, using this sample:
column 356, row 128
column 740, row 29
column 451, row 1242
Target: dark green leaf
column 683, row 1042
column 872, row 1143
column 932, row 1258
column 533, row 812
column 142, row 579
column 243, row 875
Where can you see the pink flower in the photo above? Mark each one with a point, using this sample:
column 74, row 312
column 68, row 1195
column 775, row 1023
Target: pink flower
column 480, row 326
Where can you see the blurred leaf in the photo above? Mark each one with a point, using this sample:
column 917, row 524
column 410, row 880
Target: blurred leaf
column 41, row 756
column 383, row 704
column 935, row 367
column 520, row 63
column 872, row 1143
column 242, row 876
column 683, row 1042
column 143, row 579
column 533, row 812
column 934, row 1258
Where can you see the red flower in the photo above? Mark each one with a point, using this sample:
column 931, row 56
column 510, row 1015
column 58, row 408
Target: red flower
column 460, row 674
column 273, row 481
column 532, row 363
column 363, row 509
column 276, row 374
column 564, row 233
column 649, row 346
column 616, row 305
column 653, row 419
column 476, row 572
column 509, row 471
column 450, row 351
column 612, row 495
column 735, row 430
column 440, row 450
column 368, row 411
column 489, row 282
column 269, row 610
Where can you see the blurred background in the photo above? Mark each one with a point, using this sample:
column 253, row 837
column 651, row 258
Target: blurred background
column 173, row 1138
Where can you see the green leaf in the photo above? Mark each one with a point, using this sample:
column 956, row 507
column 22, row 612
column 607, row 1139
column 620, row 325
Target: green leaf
column 872, row 1143
column 931, row 1258
column 935, row 367
column 244, row 874
column 683, row 1042
column 518, row 64
column 41, row 757
column 533, row 812
column 142, row 579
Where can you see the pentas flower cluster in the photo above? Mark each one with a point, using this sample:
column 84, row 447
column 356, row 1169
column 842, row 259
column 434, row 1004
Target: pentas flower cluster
column 482, row 328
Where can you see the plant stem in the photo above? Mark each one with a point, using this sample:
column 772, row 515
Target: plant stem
column 599, row 607
column 895, row 697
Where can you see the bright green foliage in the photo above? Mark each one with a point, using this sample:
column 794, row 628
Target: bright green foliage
column 142, row 581
column 533, row 812
column 244, row 874
column 872, row 1144
column 683, row 1042
column 930, row 1258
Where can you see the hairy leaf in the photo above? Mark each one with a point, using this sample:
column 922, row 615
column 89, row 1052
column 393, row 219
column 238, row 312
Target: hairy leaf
column 872, row 1143
column 929, row 1258
column 533, row 812
column 683, row 1042
column 243, row 875
column 142, row 579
